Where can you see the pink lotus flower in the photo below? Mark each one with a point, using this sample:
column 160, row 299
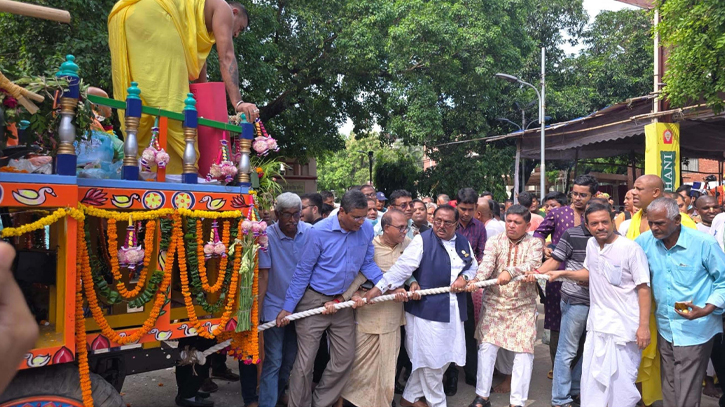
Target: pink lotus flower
column 263, row 240
column 209, row 248
column 272, row 144
column 263, row 226
column 260, row 145
column 220, row 248
column 149, row 154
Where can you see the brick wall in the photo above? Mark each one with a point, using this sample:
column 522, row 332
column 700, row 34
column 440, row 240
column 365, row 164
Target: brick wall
column 706, row 167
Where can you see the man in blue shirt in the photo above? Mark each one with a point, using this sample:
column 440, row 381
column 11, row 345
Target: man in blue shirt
column 688, row 283
column 287, row 238
column 337, row 248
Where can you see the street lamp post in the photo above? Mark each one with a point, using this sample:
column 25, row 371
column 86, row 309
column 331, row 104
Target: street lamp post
column 542, row 119
column 370, row 163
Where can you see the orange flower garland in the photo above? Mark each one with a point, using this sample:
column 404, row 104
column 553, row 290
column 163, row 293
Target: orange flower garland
column 228, row 309
column 113, row 254
column 245, row 345
column 81, row 350
column 201, row 261
column 175, row 244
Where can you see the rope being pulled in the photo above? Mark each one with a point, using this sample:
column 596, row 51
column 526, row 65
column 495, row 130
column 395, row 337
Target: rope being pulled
column 382, row 298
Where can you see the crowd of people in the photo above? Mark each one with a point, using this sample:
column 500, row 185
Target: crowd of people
column 633, row 300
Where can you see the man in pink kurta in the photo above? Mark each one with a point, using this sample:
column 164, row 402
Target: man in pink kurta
column 508, row 315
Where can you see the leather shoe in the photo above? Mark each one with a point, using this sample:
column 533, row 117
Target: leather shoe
column 202, row 395
column 226, row 375
column 451, row 385
column 197, row 402
column 209, row 386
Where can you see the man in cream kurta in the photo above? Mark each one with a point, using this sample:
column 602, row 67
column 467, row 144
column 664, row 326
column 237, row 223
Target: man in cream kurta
column 434, row 324
column 372, row 381
column 508, row 315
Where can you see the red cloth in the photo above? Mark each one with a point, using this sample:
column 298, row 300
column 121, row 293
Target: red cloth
column 211, row 103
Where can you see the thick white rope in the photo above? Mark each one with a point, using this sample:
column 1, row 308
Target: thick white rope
column 382, row 298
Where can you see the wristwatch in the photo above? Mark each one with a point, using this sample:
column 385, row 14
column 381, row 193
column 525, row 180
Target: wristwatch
column 465, row 277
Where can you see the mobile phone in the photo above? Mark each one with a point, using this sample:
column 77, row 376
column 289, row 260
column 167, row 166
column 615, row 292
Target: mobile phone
column 682, row 306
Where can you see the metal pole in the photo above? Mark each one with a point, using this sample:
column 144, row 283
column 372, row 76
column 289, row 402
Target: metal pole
column 542, row 107
column 370, row 158
column 515, row 193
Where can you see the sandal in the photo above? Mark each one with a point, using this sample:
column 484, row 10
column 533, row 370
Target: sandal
column 480, row 402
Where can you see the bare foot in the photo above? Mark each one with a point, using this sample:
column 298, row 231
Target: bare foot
column 504, row 386
column 406, row 403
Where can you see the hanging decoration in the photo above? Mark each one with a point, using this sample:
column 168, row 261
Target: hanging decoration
column 131, row 255
column 223, row 169
column 263, row 143
column 214, row 247
column 154, row 155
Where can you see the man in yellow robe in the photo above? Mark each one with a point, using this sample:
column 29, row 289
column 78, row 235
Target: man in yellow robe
column 162, row 45
column 647, row 188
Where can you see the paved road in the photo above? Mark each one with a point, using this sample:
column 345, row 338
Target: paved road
column 158, row 389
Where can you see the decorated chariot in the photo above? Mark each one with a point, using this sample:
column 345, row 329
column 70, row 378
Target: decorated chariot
column 115, row 268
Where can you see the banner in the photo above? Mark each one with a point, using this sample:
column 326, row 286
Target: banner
column 662, row 153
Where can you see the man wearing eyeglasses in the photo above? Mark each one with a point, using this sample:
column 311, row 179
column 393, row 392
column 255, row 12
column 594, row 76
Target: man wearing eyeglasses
column 434, row 324
column 337, row 248
column 401, row 200
column 372, row 382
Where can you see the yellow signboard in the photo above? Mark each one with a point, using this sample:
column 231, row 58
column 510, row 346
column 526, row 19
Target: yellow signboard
column 662, row 153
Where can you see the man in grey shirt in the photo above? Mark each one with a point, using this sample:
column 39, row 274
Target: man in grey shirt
column 571, row 250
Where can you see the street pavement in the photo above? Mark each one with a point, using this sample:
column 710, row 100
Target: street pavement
column 158, row 389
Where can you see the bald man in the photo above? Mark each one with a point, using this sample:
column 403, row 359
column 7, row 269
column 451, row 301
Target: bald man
column 484, row 213
column 647, row 188
column 707, row 207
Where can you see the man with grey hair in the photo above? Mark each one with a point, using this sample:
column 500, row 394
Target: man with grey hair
column 287, row 239
column 337, row 248
column 688, row 282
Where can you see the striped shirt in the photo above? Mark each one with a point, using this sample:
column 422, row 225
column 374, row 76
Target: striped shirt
column 572, row 250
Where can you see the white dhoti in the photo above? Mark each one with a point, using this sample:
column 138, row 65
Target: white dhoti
column 432, row 346
column 372, row 380
column 523, row 365
column 609, row 370
column 426, row 382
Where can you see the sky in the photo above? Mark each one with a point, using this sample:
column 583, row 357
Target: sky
column 593, row 7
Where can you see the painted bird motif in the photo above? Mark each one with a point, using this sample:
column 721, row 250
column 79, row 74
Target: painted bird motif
column 160, row 335
column 188, row 330
column 123, row 201
column 37, row 361
column 213, row 204
column 31, row 197
column 211, row 328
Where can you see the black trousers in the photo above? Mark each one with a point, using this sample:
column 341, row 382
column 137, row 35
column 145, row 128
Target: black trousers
column 248, row 379
column 403, row 358
column 469, row 327
column 189, row 378
column 718, row 362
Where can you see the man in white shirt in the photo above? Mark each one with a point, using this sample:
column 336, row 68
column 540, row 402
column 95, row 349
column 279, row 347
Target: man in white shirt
column 618, row 324
column 708, row 208
column 434, row 324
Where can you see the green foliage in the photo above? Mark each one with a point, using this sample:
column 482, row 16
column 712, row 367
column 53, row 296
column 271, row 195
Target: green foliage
column 694, row 32
column 340, row 170
column 398, row 167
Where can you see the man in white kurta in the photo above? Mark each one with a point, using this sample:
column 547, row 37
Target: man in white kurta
column 433, row 345
column 618, row 322
column 508, row 315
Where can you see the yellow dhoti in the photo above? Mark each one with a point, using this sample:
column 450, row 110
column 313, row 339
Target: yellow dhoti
column 162, row 45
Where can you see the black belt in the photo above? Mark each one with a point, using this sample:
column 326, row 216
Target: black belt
column 309, row 287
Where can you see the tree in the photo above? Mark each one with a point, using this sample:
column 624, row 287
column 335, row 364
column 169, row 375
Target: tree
column 694, row 32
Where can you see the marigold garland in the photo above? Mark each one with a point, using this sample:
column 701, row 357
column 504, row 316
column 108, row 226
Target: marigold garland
column 201, row 261
column 39, row 224
column 113, row 253
column 174, row 245
column 245, row 345
column 123, row 216
column 228, row 310
column 80, row 325
column 209, row 214
column 195, row 280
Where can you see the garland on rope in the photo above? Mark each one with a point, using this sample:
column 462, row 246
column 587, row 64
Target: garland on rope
column 80, row 325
